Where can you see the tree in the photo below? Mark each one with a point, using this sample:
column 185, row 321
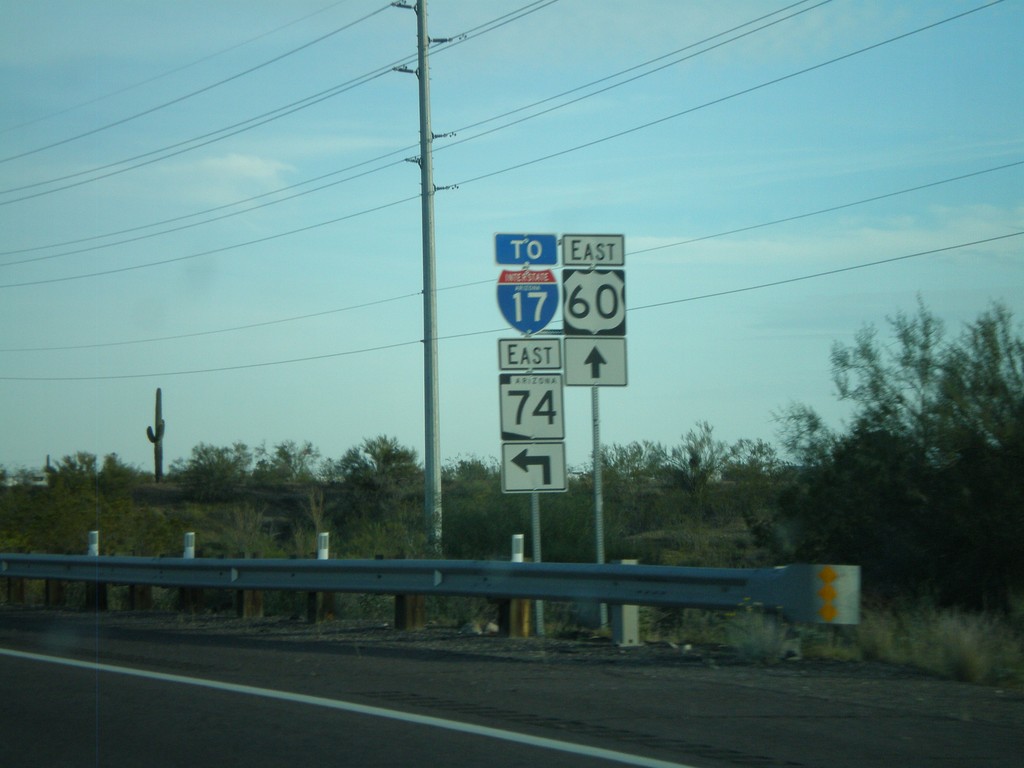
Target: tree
column 924, row 489
column 698, row 463
column 637, row 487
column 383, row 482
column 213, row 473
column 287, row 463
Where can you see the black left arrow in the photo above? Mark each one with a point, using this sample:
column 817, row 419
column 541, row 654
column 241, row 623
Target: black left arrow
column 595, row 360
column 524, row 461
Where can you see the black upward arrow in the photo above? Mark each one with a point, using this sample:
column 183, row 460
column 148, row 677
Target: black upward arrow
column 595, row 360
column 523, row 460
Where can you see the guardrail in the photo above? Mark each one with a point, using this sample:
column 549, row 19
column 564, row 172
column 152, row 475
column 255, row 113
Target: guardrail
column 828, row 594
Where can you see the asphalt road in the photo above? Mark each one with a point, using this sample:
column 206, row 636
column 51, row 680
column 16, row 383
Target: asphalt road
column 166, row 691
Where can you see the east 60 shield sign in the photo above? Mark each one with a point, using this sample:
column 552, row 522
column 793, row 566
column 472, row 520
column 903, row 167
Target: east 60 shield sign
column 528, row 298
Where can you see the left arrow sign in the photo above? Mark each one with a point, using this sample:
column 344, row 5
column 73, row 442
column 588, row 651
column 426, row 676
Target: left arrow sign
column 533, row 467
column 524, row 461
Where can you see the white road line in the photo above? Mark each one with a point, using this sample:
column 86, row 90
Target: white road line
column 582, row 750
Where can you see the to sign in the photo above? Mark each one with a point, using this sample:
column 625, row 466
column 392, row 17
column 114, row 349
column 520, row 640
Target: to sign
column 526, row 250
column 533, row 467
column 594, row 302
column 531, row 407
column 528, row 298
column 593, row 250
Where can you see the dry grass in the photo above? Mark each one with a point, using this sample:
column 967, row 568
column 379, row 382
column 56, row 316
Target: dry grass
column 968, row 647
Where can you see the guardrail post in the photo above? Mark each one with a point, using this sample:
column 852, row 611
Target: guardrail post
column 95, row 592
column 625, row 620
column 16, row 591
column 249, row 602
column 410, row 612
column 53, row 593
column 514, row 614
column 189, row 598
column 320, row 605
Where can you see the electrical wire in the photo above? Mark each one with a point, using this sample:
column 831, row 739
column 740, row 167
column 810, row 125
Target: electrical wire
column 737, row 230
column 381, row 347
column 248, row 124
column 169, row 72
column 211, row 251
column 553, row 155
column 191, row 94
column 413, row 146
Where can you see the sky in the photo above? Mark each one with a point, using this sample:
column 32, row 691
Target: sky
column 221, row 199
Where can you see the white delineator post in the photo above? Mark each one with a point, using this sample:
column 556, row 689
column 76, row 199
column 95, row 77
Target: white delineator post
column 517, row 547
column 94, row 543
column 189, row 551
column 323, row 549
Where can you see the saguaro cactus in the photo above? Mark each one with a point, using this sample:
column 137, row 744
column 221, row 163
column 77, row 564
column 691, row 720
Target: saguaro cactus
column 156, row 437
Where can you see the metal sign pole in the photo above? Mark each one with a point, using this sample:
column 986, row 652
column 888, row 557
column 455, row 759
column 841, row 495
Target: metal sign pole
column 598, row 491
column 538, row 605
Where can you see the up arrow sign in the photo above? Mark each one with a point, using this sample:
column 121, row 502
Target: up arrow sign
column 595, row 362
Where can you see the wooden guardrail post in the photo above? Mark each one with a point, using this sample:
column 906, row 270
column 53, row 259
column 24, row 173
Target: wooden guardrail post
column 249, row 602
column 410, row 612
column 16, row 591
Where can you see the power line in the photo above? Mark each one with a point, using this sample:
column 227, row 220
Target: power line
column 196, row 142
column 518, row 166
column 173, row 71
column 830, row 209
column 826, row 273
column 211, row 251
column 378, row 348
column 412, row 147
column 191, row 94
column 736, row 230
column 721, row 99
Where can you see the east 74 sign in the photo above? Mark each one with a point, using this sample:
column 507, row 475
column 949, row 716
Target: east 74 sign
column 594, row 302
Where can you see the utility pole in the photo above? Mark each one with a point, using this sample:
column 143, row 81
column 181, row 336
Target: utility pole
column 432, row 441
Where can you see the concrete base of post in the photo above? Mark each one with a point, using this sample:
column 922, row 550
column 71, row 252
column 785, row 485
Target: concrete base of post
column 410, row 612
column 514, row 617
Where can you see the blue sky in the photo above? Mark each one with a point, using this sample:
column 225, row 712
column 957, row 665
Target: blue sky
column 302, row 319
